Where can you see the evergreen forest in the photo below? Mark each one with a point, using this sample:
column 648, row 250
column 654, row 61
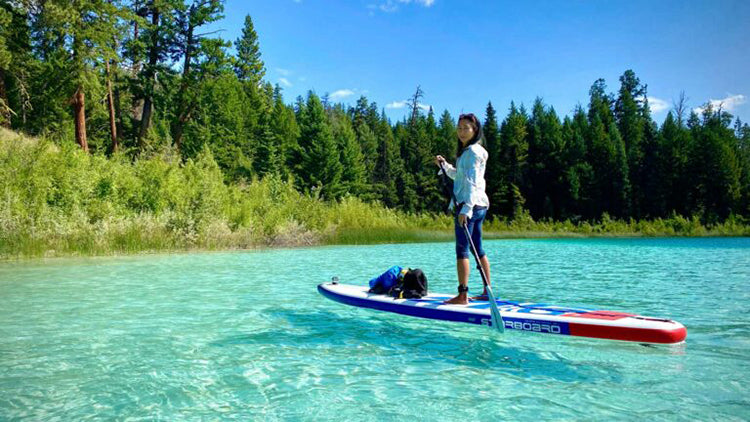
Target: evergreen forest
column 128, row 81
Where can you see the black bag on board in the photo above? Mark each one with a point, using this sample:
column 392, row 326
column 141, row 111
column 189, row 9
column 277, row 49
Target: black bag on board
column 412, row 286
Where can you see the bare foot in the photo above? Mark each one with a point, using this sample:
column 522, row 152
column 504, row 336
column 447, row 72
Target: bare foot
column 483, row 296
column 461, row 299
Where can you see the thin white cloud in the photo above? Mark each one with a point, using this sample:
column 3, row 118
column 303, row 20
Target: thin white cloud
column 425, row 3
column 405, row 103
column 283, row 72
column 341, row 94
column 388, row 7
column 391, row 6
column 729, row 103
column 657, row 105
column 285, row 82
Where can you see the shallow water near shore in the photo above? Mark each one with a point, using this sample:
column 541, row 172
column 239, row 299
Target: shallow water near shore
column 245, row 335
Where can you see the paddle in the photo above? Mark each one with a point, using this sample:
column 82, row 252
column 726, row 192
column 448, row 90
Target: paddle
column 497, row 319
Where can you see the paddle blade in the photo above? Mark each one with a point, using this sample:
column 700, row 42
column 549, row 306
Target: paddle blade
column 497, row 319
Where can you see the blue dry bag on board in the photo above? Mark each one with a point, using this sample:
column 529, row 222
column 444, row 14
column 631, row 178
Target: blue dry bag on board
column 384, row 282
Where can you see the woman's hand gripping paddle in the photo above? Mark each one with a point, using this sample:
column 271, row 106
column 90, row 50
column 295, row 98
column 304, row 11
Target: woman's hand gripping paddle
column 497, row 319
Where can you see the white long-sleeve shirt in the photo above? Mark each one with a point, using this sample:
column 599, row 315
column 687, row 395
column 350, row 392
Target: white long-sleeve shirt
column 468, row 176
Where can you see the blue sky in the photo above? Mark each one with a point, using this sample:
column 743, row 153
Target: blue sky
column 466, row 53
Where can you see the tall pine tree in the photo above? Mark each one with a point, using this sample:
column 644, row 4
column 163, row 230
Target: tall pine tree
column 353, row 177
column 576, row 201
column 389, row 167
column 632, row 125
column 248, row 65
column 202, row 58
column 514, row 149
column 492, row 144
column 320, row 166
column 80, row 34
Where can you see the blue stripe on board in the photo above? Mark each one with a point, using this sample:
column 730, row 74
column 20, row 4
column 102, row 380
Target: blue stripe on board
column 424, row 312
column 430, row 311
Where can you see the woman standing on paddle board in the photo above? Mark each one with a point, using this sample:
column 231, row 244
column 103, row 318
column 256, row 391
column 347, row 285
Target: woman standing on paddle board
column 469, row 192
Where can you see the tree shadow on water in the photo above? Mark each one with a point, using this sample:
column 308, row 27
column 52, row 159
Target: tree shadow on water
column 422, row 343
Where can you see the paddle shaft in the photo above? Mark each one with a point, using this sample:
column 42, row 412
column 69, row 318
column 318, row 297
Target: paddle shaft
column 497, row 319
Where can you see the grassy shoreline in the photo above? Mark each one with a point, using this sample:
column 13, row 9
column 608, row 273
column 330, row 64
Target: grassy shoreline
column 76, row 246
column 59, row 201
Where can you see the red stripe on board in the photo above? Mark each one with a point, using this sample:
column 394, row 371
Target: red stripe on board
column 643, row 335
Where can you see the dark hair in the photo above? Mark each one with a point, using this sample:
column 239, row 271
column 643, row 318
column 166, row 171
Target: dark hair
column 478, row 135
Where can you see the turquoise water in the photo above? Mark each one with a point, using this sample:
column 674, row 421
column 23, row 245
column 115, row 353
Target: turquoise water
column 245, row 335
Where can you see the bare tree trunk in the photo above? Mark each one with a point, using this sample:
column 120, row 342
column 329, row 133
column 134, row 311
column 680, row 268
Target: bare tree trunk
column 679, row 107
column 145, row 120
column 111, row 104
column 118, row 106
column 5, row 109
column 117, row 103
column 25, row 97
column 136, row 108
column 79, row 112
column 180, row 127
column 415, row 104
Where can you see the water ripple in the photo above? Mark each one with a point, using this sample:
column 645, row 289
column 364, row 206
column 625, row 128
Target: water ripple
column 245, row 336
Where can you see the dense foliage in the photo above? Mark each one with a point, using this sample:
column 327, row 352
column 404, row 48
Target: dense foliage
column 61, row 200
column 133, row 79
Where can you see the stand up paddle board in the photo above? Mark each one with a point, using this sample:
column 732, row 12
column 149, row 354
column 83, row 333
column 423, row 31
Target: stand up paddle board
column 533, row 317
